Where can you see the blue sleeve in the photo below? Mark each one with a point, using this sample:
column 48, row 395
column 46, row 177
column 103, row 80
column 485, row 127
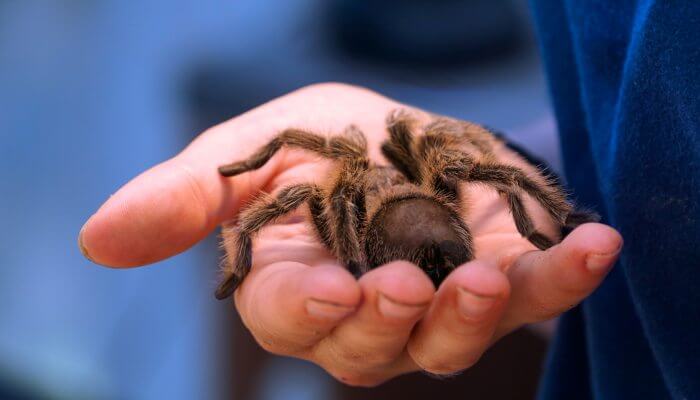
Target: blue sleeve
column 625, row 83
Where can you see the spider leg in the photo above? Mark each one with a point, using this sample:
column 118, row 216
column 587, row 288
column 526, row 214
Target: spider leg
column 289, row 137
column 347, row 199
column 320, row 219
column 259, row 213
column 347, row 208
column 399, row 148
column 509, row 181
column 547, row 194
column 352, row 145
column 578, row 217
column 445, row 165
column 523, row 222
column 478, row 136
column 442, row 165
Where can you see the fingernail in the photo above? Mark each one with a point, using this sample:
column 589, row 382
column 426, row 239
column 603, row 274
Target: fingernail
column 81, row 244
column 327, row 309
column 600, row 263
column 474, row 305
column 391, row 308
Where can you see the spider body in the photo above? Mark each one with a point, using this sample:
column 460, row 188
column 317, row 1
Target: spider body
column 413, row 226
column 369, row 214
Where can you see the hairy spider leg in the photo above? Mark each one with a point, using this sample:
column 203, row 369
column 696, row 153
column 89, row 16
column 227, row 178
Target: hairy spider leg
column 289, row 138
column 548, row 195
column 466, row 132
column 578, row 217
column 510, row 183
column 398, row 150
column 421, row 160
column 443, row 164
column 260, row 212
column 347, row 200
column 446, row 165
column 352, row 144
column 320, row 219
column 523, row 222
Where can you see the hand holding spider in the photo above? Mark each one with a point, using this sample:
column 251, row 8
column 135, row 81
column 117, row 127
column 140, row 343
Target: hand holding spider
column 299, row 301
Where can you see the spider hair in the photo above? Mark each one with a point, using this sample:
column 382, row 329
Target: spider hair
column 362, row 210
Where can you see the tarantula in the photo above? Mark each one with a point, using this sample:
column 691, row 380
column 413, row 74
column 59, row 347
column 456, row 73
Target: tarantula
column 369, row 214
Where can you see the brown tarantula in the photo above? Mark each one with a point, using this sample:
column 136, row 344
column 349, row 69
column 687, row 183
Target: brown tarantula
column 369, row 214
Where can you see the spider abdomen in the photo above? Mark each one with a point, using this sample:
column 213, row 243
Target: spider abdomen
column 421, row 230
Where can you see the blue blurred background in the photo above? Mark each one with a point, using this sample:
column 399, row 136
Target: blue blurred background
column 92, row 92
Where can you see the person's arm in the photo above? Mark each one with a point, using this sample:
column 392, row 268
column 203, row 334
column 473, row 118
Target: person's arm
column 299, row 301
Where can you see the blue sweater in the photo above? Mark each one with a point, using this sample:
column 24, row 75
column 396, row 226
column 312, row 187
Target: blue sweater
column 625, row 82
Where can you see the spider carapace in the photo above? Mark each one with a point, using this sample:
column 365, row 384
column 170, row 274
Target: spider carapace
column 368, row 214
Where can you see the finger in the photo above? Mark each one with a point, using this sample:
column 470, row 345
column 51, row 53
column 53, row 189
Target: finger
column 289, row 307
column 168, row 208
column 395, row 297
column 462, row 319
column 172, row 206
column 547, row 283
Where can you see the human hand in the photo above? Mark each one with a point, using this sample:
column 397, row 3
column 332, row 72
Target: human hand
column 298, row 300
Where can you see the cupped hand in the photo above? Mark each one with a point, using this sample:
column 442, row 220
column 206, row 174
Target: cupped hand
column 298, row 301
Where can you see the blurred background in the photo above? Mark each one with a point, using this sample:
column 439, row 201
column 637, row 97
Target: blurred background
column 92, row 92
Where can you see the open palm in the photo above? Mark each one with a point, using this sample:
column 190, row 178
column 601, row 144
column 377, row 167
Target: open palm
column 298, row 300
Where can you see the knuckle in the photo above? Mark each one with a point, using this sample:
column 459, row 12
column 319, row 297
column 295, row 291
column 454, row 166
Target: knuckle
column 359, row 358
column 572, row 291
column 471, row 328
column 510, row 257
column 472, row 325
column 545, row 308
column 540, row 308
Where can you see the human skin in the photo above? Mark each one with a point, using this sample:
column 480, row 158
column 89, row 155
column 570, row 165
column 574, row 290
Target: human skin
column 298, row 300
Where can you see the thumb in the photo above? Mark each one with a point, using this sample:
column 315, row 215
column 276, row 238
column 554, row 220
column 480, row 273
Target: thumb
column 172, row 206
